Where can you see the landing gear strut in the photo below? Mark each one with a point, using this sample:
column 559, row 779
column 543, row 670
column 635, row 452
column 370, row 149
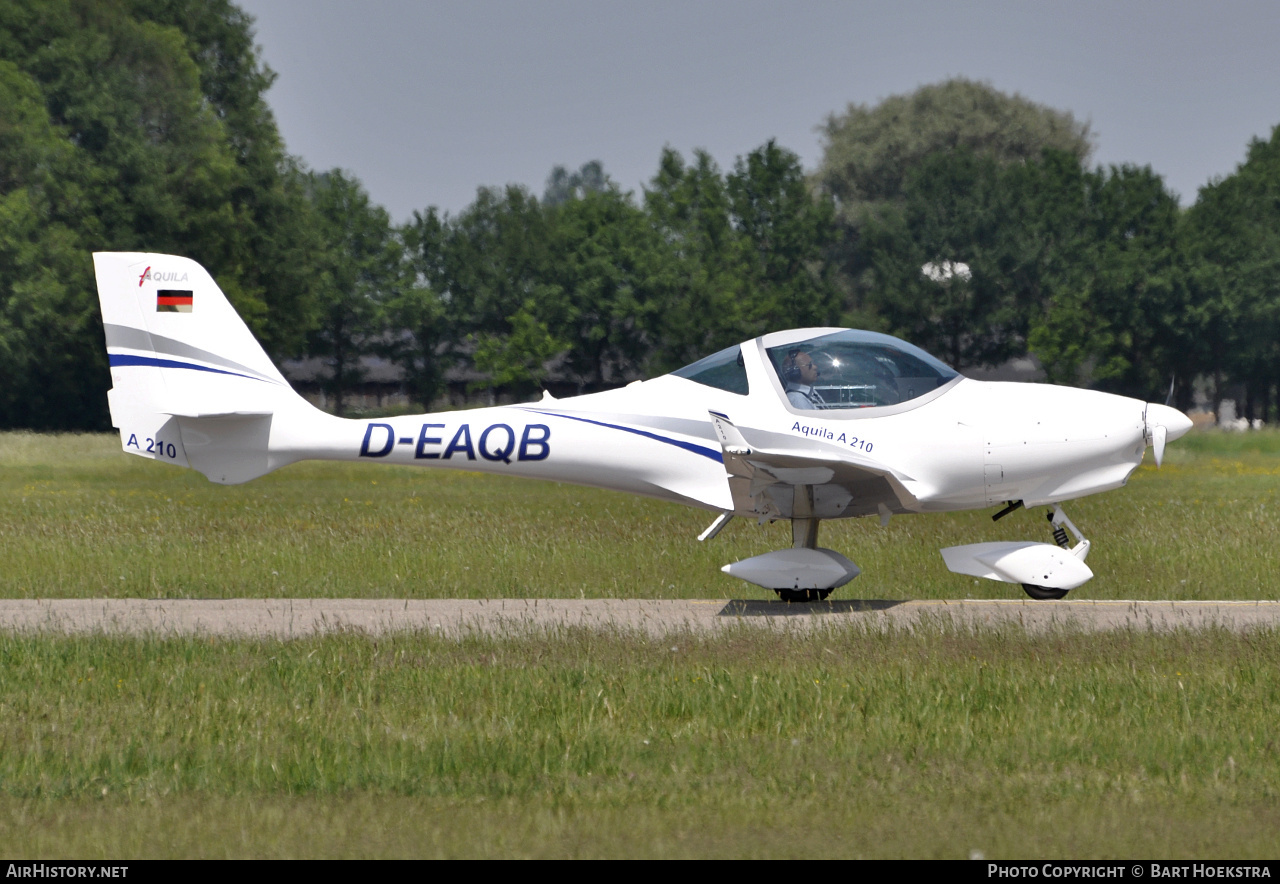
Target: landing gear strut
column 804, row 573
column 804, row 535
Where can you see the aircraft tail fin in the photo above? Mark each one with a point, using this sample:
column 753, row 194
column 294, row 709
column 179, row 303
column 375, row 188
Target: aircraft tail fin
column 190, row 383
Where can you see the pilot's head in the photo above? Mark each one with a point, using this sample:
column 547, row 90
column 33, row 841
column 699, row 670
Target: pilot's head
column 799, row 368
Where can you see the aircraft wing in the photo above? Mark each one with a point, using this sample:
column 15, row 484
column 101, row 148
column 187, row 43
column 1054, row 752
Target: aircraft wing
column 763, row 480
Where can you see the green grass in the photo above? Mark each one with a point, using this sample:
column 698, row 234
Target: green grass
column 752, row 743
column 82, row 519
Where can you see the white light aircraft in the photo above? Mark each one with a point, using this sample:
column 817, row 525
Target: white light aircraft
column 803, row 425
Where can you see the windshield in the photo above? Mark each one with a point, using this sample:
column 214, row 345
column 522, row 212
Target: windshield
column 723, row 370
column 856, row 369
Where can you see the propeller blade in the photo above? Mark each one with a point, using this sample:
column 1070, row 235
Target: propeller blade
column 1158, row 435
column 1168, row 400
column 1162, row 424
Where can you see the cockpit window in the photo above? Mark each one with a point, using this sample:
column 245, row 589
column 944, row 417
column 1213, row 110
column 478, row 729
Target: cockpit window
column 724, row 371
column 856, row 369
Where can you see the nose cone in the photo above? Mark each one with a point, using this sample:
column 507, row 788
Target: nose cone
column 1175, row 423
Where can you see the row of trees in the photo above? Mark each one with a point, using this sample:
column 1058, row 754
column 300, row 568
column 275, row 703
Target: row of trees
column 589, row 280
column 142, row 125
column 586, row 279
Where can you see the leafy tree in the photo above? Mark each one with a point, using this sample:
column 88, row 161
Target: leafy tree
column 494, row 263
column 602, row 266
column 364, row 269
column 698, row 282
column 1019, row 231
column 266, row 260
column 1082, row 267
column 142, row 156
column 495, row 256
column 161, row 141
column 789, row 231
column 418, row 333
column 517, row 361
column 1126, row 324
column 948, row 217
column 563, row 185
column 871, row 154
column 48, row 316
column 1233, row 244
column 870, row 151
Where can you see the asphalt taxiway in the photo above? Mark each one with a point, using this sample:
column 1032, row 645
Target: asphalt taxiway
column 297, row 618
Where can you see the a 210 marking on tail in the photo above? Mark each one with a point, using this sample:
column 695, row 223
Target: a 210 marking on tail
column 147, row 445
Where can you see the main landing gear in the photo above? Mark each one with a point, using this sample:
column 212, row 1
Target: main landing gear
column 804, row 573
column 804, row 535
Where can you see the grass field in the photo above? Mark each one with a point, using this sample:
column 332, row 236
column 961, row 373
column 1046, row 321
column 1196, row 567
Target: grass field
column 82, row 519
column 939, row 743
column 846, row 743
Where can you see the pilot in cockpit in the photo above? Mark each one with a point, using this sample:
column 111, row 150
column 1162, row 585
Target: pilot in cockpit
column 801, row 373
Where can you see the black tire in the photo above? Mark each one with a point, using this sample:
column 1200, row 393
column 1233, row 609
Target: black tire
column 800, row 596
column 1044, row 593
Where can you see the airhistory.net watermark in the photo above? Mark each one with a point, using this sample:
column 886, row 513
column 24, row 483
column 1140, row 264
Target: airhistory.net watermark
column 64, row 870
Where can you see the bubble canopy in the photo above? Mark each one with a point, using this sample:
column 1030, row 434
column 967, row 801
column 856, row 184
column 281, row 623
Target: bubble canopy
column 848, row 369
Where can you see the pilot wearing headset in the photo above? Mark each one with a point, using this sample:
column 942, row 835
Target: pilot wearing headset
column 800, row 373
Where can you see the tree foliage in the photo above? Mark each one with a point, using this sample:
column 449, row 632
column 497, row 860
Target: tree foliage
column 1232, row 238
column 871, row 151
column 1082, row 268
column 787, row 232
column 1126, row 320
column 698, row 287
column 363, row 271
column 134, row 126
column 563, row 185
column 603, row 260
column 417, row 334
column 948, row 217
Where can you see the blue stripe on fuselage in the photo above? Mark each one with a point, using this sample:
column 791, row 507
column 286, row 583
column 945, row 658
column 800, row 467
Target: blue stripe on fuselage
column 717, row 456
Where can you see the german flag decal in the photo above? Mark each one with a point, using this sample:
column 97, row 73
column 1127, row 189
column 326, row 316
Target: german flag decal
column 171, row 301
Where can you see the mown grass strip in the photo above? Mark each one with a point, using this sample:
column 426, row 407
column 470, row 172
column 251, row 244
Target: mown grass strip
column 1029, row 742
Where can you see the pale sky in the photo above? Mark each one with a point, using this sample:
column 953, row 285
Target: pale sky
column 426, row 101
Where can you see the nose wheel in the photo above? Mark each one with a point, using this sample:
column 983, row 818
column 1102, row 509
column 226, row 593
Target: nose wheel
column 1057, row 520
column 1044, row 593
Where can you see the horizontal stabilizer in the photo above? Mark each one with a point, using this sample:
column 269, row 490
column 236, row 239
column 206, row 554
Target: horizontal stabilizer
column 215, row 415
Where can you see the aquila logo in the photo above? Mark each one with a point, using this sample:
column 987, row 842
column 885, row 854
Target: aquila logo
column 161, row 276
